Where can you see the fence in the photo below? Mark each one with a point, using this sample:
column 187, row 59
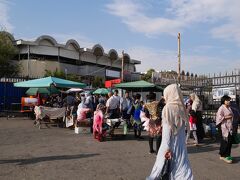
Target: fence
column 10, row 96
column 210, row 88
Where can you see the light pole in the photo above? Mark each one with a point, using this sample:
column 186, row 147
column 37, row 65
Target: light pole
column 65, row 72
column 179, row 59
column 28, row 65
column 122, row 79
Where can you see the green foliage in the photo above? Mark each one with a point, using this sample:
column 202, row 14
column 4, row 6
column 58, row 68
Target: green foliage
column 60, row 74
column 48, row 73
column 56, row 73
column 148, row 75
column 72, row 77
column 7, row 52
column 98, row 82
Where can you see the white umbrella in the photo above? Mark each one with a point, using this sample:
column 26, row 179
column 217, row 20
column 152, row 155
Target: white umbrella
column 74, row 90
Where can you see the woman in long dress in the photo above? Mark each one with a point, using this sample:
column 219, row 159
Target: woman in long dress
column 197, row 108
column 173, row 144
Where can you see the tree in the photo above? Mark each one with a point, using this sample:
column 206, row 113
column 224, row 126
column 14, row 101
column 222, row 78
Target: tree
column 60, row 74
column 98, row 82
column 148, row 75
column 56, row 73
column 7, row 52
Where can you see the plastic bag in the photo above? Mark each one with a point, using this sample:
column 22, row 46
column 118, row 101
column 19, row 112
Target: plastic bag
column 166, row 170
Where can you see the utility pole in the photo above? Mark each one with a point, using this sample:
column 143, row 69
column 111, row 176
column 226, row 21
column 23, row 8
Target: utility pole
column 179, row 59
column 28, row 66
column 122, row 79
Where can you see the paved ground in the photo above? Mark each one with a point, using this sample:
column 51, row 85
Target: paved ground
column 55, row 153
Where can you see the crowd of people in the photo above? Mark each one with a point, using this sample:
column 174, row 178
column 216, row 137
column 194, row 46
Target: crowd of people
column 169, row 120
column 177, row 118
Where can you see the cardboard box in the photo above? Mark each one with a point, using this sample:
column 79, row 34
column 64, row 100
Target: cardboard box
column 84, row 123
column 82, row 130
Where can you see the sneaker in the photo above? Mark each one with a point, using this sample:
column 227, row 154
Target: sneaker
column 228, row 160
column 221, row 158
column 152, row 152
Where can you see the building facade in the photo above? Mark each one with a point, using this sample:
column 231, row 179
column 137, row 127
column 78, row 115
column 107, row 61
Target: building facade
column 45, row 53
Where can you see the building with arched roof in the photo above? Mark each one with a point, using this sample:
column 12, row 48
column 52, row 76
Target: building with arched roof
column 45, row 53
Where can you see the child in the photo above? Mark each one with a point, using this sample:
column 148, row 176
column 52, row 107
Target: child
column 137, row 125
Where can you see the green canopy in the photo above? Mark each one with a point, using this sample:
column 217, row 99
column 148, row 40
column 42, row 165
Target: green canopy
column 34, row 91
column 139, row 86
column 102, row 91
column 50, row 81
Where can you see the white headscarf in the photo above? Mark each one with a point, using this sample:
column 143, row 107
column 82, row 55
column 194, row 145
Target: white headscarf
column 174, row 112
column 197, row 104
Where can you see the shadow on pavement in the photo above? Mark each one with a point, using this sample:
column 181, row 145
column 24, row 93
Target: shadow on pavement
column 128, row 137
column 201, row 148
column 236, row 160
column 206, row 145
column 47, row 158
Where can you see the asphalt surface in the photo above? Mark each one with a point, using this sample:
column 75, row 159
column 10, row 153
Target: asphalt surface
column 58, row 153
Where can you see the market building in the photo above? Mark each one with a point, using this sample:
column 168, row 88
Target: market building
column 45, row 53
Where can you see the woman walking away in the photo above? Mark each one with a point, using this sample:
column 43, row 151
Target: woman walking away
column 153, row 111
column 224, row 122
column 197, row 109
column 173, row 145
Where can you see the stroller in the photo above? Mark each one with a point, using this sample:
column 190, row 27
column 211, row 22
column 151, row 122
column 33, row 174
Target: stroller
column 210, row 128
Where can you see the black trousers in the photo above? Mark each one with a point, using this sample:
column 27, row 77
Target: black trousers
column 158, row 143
column 137, row 129
column 199, row 124
column 226, row 146
column 113, row 113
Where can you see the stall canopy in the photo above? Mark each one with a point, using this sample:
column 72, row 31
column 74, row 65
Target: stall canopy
column 74, row 90
column 35, row 91
column 50, row 81
column 139, row 86
column 102, row 91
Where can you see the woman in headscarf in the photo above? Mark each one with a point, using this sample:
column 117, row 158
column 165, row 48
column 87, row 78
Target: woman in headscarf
column 173, row 144
column 224, row 120
column 197, row 109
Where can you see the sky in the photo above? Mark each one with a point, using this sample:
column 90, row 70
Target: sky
column 145, row 29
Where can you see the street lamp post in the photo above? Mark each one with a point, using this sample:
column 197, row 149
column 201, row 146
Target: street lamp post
column 122, row 78
column 65, row 73
column 28, row 65
column 179, row 59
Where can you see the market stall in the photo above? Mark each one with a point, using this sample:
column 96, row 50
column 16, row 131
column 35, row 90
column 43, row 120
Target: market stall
column 139, row 86
column 48, row 85
column 49, row 112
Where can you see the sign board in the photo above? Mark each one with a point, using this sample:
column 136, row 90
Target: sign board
column 219, row 92
column 27, row 101
column 111, row 73
column 110, row 83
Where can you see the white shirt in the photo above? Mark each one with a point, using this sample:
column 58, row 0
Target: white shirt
column 125, row 103
column 113, row 102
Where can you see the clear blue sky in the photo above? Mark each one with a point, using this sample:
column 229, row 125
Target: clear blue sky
column 145, row 29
